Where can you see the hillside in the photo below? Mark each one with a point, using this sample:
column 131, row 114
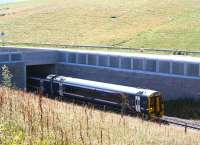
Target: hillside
column 140, row 23
column 29, row 119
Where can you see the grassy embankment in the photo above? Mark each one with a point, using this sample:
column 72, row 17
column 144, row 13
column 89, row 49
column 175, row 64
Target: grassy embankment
column 29, row 119
column 139, row 23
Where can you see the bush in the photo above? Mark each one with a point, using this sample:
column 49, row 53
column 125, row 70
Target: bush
column 6, row 76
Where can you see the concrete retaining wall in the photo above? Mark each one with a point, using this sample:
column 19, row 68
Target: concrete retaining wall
column 171, row 87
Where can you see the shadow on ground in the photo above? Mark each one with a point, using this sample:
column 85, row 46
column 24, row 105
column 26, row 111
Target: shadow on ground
column 183, row 108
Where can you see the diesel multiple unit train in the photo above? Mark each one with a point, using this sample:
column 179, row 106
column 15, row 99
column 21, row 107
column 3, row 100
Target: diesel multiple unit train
column 147, row 103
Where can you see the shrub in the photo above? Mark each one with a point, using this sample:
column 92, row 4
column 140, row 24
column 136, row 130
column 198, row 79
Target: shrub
column 6, row 77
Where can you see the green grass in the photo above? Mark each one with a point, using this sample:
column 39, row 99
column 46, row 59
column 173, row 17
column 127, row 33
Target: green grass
column 139, row 23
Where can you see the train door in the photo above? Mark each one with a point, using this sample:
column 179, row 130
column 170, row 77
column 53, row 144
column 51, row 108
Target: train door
column 152, row 104
column 137, row 104
column 159, row 105
column 156, row 106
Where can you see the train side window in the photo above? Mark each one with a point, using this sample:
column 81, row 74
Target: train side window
column 68, row 89
column 76, row 90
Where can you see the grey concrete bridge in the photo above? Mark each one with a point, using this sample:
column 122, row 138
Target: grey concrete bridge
column 175, row 76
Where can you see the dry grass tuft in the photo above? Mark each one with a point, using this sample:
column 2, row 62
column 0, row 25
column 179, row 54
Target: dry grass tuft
column 26, row 118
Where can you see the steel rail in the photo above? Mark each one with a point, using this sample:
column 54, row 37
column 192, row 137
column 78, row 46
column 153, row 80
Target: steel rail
column 181, row 122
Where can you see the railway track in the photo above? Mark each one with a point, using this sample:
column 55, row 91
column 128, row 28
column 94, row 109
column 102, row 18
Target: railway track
column 181, row 122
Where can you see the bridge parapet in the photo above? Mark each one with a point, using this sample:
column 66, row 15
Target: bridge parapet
column 177, row 66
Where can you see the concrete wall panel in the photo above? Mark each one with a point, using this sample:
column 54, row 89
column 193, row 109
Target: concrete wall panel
column 164, row 67
column 126, row 62
column 150, row 65
column 81, row 58
column 138, row 63
column 103, row 60
column 178, row 68
column 114, row 61
column 16, row 57
column 92, row 59
column 193, row 69
column 4, row 58
column 71, row 57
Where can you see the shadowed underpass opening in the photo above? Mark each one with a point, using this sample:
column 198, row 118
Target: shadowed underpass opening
column 40, row 71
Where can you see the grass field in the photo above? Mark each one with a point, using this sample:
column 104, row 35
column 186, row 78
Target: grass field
column 30, row 119
column 173, row 24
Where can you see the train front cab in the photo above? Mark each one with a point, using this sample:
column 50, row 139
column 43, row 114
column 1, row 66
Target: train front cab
column 155, row 105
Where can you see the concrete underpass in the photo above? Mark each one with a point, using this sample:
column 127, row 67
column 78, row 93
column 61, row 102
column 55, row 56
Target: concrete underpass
column 171, row 75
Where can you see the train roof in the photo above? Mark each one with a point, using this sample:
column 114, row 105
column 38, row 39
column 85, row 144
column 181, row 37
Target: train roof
column 105, row 86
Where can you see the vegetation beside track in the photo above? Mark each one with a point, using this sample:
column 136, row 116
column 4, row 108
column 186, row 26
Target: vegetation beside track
column 26, row 118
